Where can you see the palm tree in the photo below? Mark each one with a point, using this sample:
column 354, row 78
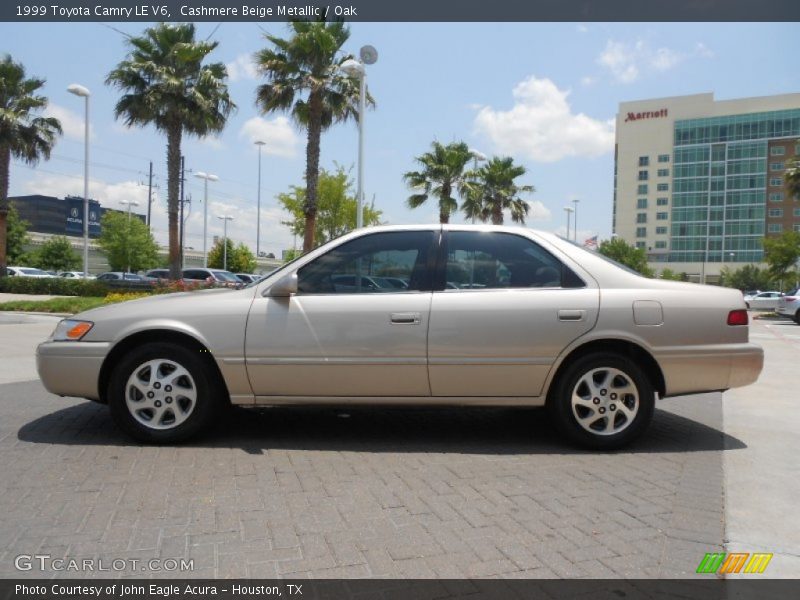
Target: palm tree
column 304, row 78
column 442, row 175
column 493, row 190
column 23, row 135
column 165, row 83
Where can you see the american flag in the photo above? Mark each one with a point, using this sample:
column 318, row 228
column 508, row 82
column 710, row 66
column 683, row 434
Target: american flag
column 590, row 242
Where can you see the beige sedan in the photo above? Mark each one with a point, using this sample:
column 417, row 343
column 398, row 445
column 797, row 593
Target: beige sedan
column 489, row 316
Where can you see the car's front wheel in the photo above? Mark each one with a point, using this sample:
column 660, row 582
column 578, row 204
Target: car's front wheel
column 164, row 393
column 602, row 401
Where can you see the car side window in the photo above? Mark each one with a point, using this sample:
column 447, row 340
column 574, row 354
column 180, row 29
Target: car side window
column 363, row 265
column 483, row 259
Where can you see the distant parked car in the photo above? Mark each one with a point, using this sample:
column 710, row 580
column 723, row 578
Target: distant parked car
column 763, row 300
column 248, row 277
column 157, row 273
column 218, row 277
column 789, row 305
column 75, row 275
column 27, row 272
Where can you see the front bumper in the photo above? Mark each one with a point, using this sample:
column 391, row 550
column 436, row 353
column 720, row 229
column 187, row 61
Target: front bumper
column 71, row 368
column 710, row 368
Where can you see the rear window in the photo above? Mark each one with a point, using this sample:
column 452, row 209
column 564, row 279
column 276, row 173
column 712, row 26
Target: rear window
column 226, row 276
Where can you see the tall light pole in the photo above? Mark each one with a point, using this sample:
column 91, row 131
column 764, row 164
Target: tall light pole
column 477, row 156
column 575, row 219
column 206, row 178
column 84, row 93
column 569, row 210
column 260, row 145
column 225, row 219
column 357, row 68
column 130, row 204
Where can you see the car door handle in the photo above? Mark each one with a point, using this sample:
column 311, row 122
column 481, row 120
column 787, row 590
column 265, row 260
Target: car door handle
column 409, row 318
column 571, row 315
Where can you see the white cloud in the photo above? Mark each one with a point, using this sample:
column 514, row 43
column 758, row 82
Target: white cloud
column 71, row 122
column 538, row 212
column 627, row 61
column 588, row 80
column 622, row 60
column 582, row 28
column 278, row 135
column 242, row 67
column 541, row 125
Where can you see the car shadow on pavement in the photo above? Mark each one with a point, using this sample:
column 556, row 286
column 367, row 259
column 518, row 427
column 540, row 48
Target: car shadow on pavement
column 498, row 431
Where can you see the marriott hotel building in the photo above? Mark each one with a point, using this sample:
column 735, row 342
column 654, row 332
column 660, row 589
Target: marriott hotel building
column 698, row 183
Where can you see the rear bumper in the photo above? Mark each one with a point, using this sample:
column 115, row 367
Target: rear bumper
column 709, row 368
column 71, row 368
column 787, row 311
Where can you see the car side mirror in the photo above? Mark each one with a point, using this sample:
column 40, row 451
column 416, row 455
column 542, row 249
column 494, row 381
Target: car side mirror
column 284, row 287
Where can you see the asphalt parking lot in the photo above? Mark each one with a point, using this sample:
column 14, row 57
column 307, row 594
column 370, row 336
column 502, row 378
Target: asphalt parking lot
column 399, row 493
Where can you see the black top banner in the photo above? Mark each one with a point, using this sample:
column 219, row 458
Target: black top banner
column 33, row 11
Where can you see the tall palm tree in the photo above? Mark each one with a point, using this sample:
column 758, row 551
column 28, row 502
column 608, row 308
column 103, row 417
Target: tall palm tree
column 303, row 78
column 165, row 83
column 442, row 175
column 23, row 135
column 493, row 191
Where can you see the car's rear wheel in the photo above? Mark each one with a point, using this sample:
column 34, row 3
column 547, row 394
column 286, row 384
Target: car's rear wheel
column 164, row 393
column 602, row 401
column 797, row 317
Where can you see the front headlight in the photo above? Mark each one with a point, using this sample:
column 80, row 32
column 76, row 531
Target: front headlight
column 70, row 330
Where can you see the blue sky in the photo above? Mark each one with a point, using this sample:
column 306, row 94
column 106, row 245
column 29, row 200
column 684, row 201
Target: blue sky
column 545, row 94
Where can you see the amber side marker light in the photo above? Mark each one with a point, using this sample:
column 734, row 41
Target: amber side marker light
column 79, row 330
column 737, row 317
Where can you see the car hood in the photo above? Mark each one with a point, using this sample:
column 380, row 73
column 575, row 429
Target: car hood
column 180, row 311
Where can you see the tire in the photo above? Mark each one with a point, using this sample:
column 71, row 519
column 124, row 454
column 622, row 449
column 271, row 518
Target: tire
column 593, row 381
column 797, row 317
column 747, row 305
column 163, row 393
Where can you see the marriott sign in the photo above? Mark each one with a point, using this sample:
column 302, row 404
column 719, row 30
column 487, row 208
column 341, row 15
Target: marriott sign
column 638, row 116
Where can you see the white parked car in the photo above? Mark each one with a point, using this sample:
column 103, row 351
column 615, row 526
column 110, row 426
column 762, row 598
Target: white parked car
column 789, row 305
column 27, row 272
column 75, row 275
column 763, row 300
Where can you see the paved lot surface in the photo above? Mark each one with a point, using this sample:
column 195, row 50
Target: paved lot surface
column 762, row 481
column 397, row 493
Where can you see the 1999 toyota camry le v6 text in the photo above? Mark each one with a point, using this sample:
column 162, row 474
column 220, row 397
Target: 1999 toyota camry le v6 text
column 413, row 315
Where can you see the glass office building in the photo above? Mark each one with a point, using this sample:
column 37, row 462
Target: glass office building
column 699, row 183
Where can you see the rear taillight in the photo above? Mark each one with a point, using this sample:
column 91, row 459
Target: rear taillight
column 790, row 298
column 737, row 317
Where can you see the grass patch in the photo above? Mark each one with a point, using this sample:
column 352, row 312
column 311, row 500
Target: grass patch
column 55, row 305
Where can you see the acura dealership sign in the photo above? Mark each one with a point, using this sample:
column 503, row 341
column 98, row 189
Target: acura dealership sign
column 74, row 214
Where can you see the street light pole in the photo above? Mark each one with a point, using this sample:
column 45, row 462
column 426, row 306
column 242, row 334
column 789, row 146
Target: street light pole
column 260, row 145
column 569, row 210
column 477, row 156
column 575, row 219
column 84, row 93
column 357, row 68
column 225, row 219
column 206, row 177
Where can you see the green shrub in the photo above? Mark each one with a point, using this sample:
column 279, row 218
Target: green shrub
column 56, row 286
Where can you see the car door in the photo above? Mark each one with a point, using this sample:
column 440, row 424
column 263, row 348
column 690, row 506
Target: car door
column 332, row 340
column 503, row 311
